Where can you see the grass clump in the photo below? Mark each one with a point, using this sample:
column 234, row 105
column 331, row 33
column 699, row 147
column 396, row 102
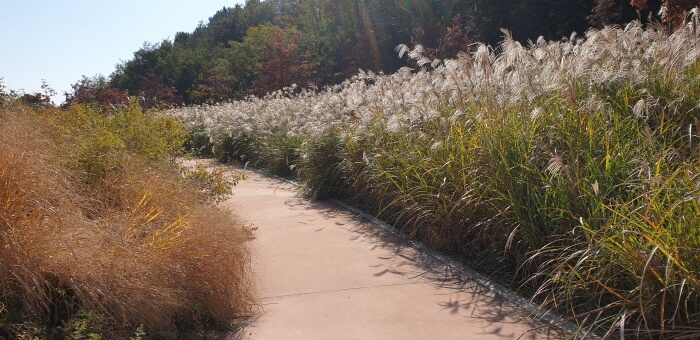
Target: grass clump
column 102, row 236
column 217, row 183
column 566, row 168
column 198, row 142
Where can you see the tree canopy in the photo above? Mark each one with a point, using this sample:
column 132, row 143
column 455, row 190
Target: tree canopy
column 264, row 46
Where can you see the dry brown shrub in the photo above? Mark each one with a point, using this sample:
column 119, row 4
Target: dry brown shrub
column 144, row 248
column 30, row 189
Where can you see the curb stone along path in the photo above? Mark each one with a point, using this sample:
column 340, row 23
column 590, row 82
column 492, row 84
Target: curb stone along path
column 326, row 271
column 541, row 314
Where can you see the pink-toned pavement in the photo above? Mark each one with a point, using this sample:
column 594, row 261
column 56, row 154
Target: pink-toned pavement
column 324, row 273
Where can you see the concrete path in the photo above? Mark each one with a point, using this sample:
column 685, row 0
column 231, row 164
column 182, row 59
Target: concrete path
column 324, row 273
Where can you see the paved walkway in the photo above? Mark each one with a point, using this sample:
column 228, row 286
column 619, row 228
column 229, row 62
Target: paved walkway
column 324, row 273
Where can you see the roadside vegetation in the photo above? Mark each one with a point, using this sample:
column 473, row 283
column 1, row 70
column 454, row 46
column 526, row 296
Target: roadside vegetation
column 101, row 235
column 568, row 169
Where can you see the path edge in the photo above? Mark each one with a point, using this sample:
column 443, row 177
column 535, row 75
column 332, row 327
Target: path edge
column 536, row 312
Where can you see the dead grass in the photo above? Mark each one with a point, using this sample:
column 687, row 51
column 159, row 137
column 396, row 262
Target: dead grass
column 140, row 247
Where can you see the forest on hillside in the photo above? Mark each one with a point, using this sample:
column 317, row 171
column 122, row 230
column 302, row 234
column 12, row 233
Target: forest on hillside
column 263, row 46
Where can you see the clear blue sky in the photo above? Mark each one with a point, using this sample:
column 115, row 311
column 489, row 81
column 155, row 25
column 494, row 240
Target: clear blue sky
column 61, row 41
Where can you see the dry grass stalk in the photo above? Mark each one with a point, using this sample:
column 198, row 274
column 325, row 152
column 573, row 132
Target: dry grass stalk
column 147, row 249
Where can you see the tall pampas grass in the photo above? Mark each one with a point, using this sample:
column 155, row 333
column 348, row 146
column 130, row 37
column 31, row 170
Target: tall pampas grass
column 566, row 168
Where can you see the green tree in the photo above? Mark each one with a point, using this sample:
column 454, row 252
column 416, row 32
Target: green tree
column 233, row 53
column 151, row 75
column 228, row 24
column 217, row 85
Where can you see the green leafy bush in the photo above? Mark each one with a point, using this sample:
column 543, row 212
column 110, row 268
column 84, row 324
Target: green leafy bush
column 103, row 144
column 217, row 183
column 198, row 142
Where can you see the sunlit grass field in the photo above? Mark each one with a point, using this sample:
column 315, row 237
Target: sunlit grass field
column 102, row 237
column 568, row 169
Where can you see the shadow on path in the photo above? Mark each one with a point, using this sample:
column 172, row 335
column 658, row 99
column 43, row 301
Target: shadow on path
column 328, row 272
